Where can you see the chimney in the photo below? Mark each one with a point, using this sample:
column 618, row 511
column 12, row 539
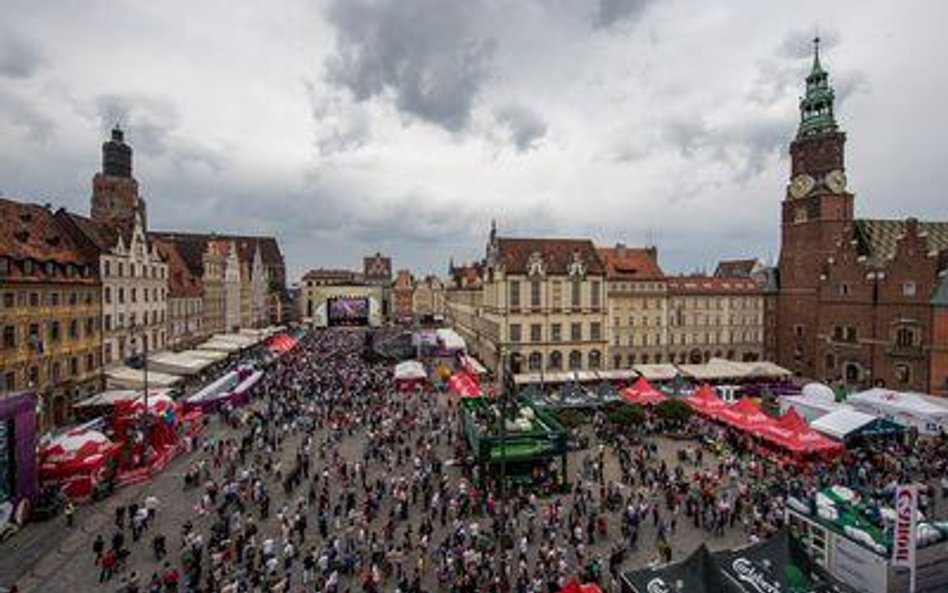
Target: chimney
column 652, row 252
column 620, row 250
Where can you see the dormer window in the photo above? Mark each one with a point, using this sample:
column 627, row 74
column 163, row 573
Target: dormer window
column 536, row 265
column 577, row 268
column 908, row 289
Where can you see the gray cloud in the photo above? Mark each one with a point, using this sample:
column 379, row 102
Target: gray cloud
column 152, row 119
column 20, row 57
column 526, row 128
column 611, row 12
column 799, row 43
column 427, row 54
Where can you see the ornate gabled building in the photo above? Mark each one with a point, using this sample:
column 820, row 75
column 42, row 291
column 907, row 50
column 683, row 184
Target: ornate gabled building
column 50, row 311
column 860, row 301
column 134, row 275
column 544, row 303
column 184, row 326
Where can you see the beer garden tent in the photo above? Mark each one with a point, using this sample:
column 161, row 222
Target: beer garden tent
column 76, row 461
column 705, row 401
column 791, row 432
column 129, row 378
column 846, row 424
column 911, row 410
column 642, row 393
column 777, row 564
column 745, row 415
column 697, row 573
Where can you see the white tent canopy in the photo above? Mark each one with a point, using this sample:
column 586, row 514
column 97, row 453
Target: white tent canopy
column 110, row 397
column 811, row 404
column 220, row 346
column 126, row 377
column 841, row 423
column 473, row 364
column 656, row 372
column 177, row 363
column 211, row 355
column 239, row 339
column 410, row 369
column 905, row 408
column 617, row 374
column 450, row 339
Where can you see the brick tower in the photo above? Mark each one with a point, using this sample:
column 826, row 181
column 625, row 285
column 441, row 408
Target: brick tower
column 115, row 198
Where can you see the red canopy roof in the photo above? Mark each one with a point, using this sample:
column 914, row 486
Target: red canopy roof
column 465, row 384
column 792, row 433
column 642, row 393
column 705, row 400
column 573, row 586
column 745, row 414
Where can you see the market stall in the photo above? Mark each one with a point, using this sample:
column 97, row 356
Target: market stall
column 744, row 415
column 124, row 377
column 642, row 393
column 911, row 410
column 705, row 401
column 77, row 461
column 232, row 389
column 697, row 573
column 791, row 433
column 410, row 375
column 849, row 426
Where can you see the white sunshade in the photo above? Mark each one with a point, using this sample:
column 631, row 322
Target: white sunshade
column 617, row 374
column 239, row 339
column 134, row 378
column 410, row 369
column 220, row 346
column 177, row 363
column 110, row 397
column 586, row 376
column 841, row 423
column 656, row 372
column 450, row 339
column 528, row 378
column 211, row 355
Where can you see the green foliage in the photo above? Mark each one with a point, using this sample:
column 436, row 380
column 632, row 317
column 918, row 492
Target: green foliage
column 674, row 411
column 625, row 415
column 570, row 418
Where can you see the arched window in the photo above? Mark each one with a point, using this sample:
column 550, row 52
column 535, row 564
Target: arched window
column 575, row 360
column 645, row 359
column 556, row 360
column 535, row 362
column 595, row 359
column 617, row 361
column 905, row 337
column 631, row 360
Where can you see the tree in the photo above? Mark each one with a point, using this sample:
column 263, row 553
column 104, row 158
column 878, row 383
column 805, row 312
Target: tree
column 674, row 411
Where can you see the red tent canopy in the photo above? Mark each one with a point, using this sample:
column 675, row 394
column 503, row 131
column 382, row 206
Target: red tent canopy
column 745, row 414
column 465, row 384
column 792, row 433
column 706, row 401
column 281, row 343
column 573, row 586
column 76, row 461
column 642, row 393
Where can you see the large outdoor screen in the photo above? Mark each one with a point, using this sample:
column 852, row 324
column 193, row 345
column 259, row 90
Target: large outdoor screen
column 348, row 311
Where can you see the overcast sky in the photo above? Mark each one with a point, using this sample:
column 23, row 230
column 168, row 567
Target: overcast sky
column 349, row 126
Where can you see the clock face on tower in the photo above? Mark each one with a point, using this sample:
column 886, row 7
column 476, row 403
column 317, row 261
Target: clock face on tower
column 801, row 185
column 835, row 181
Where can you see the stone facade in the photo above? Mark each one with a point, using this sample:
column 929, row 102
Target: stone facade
column 403, row 290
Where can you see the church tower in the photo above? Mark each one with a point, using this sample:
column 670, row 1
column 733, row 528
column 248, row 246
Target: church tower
column 115, row 198
column 816, row 214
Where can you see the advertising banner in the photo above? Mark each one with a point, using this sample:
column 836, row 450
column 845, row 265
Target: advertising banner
column 903, row 537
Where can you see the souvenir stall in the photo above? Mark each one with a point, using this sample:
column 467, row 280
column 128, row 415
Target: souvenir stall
column 78, row 461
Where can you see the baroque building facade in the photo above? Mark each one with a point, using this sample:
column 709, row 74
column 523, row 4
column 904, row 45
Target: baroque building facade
column 862, row 302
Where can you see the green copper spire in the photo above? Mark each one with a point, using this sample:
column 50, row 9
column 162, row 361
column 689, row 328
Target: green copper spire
column 816, row 108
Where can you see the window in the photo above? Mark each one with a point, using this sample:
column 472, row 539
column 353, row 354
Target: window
column 576, row 332
column 557, row 295
column 90, row 362
column 8, row 300
column 33, row 376
column 908, row 289
column 595, row 359
column 594, row 293
column 535, row 287
column 54, row 333
column 9, row 336
column 108, row 323
column 121, row 294
column 108, row 268
column 830, row 361
column 556, row 360
column 74, row 329
column 74, row 366
column 121, row 269
column 844, row 289
column 575, row 360
column 535, row 332
column 844, row 333
column 9, row 381
column 903, row 374
column 515, row 332
column 576, row 294
column 556, row 332
column 535, row 362
column 798, row 331
column 134, row 294
column 595, row 331
column 53, row 299
column 514, row 294
column 90, row 326
column 905, row 337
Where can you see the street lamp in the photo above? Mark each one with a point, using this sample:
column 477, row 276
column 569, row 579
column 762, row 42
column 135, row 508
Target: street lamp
column 144, row 420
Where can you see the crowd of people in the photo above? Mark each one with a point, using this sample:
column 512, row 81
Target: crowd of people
column 333, row 481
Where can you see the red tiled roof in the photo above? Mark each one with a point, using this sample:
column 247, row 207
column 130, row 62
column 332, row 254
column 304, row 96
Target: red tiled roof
column 711, row 285
column 31, row 231
column 269, row 248
column 557, row 254
column 630, row 263
column 181, row 282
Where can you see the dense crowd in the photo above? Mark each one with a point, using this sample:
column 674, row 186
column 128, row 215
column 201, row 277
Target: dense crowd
column 332, row 481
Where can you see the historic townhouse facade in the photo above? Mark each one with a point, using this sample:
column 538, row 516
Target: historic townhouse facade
column 50, row 311
column 185, row 320
column 547, row 300
column 636, row 293
column 861, row 301
column 213, row 261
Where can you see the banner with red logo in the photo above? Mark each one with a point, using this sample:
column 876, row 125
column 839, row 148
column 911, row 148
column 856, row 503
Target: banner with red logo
column 903, row 533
